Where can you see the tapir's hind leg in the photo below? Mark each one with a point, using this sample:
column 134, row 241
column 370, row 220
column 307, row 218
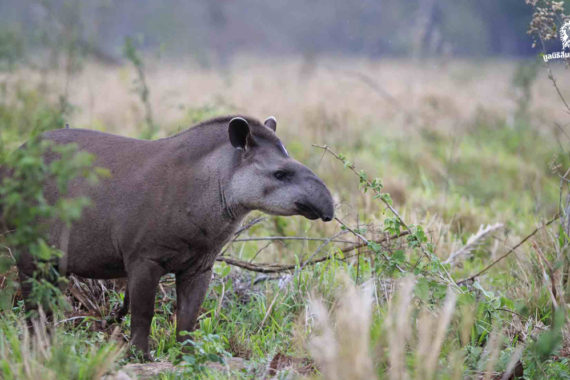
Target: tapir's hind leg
column 26, row 290
column 143, row 282
column 26, row 269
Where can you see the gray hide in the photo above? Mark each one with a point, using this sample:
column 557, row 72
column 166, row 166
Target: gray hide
column 170, row 205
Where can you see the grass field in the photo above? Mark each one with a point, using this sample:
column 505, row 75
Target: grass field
column 473, row 155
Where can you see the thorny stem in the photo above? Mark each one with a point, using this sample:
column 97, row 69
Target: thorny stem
column 352, row 167
column 555, row 84
column 351, row 231
column 388, row 205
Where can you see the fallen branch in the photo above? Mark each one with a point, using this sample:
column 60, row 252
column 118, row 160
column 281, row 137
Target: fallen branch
column 471, row 278
column 278, row 268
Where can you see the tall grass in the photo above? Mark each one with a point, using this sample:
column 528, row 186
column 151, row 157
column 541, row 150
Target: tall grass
column 44, row 352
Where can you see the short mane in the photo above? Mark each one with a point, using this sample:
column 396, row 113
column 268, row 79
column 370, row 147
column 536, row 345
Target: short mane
column 256, row 126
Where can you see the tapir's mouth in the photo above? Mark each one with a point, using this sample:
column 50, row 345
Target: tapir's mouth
column 308, row 210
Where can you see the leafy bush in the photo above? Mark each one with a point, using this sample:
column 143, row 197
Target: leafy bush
column 25, row 212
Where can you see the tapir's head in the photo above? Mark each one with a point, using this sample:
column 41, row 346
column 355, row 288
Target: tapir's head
column 266, row 178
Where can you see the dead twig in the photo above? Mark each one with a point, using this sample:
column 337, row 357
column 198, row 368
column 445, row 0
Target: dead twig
column 259, row 251
column 249, row 225
column 90, row 317
column 279, row 268
column 240, row 231
column 301, row 238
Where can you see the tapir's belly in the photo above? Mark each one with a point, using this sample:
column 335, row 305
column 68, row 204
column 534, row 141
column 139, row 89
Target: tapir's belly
column 97, row 267
column 94, row 265
column 94, row 256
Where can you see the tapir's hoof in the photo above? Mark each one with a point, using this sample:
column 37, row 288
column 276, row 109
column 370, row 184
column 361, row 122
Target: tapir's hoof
column 139, row 355
column 147, row 357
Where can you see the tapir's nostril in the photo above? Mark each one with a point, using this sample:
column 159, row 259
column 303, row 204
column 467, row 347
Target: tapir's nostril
column 327, row 218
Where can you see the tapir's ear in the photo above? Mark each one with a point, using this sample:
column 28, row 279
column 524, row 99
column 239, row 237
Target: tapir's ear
column 271, row 123
column 239, row 132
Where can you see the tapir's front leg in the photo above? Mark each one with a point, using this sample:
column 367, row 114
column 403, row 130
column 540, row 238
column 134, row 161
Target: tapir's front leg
column 191, row 288
column 144, row 277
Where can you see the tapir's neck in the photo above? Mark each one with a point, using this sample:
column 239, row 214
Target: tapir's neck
column 204, row 166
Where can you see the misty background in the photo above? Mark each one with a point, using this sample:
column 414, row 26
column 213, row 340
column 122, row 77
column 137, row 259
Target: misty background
column 213, row 32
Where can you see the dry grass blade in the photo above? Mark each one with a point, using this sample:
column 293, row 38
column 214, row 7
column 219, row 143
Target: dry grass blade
column 341, row 340
column 398, row 329
column 492, row 355
column 44, row 352
column 472, row 277
column 514, row 362
column 553, row 276
column 474, row 241
column 439, row 332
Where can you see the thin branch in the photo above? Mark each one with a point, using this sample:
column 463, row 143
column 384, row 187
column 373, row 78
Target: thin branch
column 263, row 238
column 249, row 225
column 470, row 278
column 278, row 268
column 259, row 251
column 561, row 128
column 352, row 231
column 543, row 262
column 240, row 231
column 555, row 84
column 78, row 317
column 553, row 79
column 320, row 247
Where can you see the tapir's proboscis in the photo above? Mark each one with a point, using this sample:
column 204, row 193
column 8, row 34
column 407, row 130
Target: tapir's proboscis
column 170, row 205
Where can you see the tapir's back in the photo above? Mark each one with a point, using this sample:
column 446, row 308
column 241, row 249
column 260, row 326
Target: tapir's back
column 116, row 152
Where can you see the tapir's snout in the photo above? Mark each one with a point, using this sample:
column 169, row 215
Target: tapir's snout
column 326, row 207
column 327, row 213
column 312, row 212
column 317, row 203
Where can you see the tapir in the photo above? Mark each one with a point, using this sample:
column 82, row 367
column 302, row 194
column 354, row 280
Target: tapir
column 170, row 205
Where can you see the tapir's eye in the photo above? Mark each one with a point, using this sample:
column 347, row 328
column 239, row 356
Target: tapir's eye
column 281, row 174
